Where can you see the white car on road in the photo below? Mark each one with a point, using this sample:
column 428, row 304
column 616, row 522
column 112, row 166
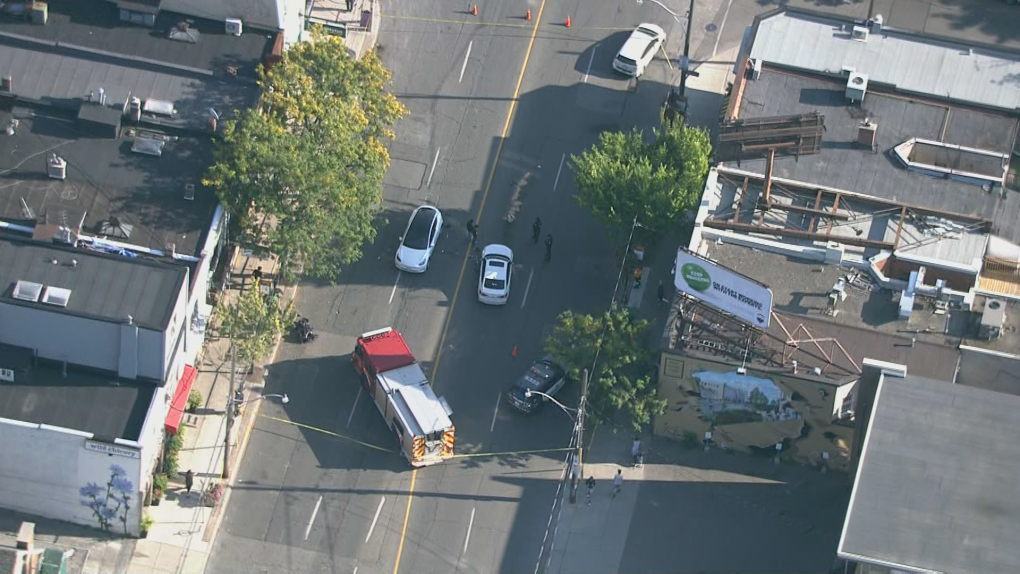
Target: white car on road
column 496, row 272
column 419, row 239
column 639, row 50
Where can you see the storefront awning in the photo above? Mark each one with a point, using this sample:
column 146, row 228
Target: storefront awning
column 180, row 402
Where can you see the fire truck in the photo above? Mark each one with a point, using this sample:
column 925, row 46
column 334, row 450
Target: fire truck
column 419, row 419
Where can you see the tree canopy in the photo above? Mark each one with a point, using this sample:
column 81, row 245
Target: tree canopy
column 659, row 182
column 623, row 380
column 253, row 321
column 311, row 158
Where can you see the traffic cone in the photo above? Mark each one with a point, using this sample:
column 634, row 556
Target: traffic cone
column 474, row 9
column 528, row 15
column 514, row 352
column 567, row 23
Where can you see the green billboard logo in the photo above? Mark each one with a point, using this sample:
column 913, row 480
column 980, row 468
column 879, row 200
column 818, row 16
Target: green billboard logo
column 696, row 277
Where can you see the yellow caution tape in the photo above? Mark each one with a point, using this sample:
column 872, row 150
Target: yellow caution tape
column 331, row 433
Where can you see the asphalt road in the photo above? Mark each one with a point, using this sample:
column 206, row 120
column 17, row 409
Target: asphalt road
column 320, row 488
column 308, row 500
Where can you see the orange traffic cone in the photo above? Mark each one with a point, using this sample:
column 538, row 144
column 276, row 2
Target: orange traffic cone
column 528, row 15
column 567, row 23
column 474, row 9
column 514, row 352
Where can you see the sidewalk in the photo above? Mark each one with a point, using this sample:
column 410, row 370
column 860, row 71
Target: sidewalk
column 362, row 33
column 181, row 536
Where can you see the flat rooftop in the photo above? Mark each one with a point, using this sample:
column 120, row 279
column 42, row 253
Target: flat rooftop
column 103, row 286
column 128, row 197
column 84, row 48
column 801, row 288
column 936, row 487
column 845, row 165
column 911, row 62
column 83, row 401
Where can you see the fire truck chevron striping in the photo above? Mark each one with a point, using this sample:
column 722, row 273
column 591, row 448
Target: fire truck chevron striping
column 391, row 375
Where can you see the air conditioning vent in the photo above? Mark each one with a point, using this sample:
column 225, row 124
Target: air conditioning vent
column 860, row 33
column 7, row 375
column 56, row 296
column 27, row 291
column 234, row 26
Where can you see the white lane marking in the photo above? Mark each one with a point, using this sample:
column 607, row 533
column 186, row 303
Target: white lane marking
column 350, row 417
column 312, row 519
column 435, row 160
column 464, row 66
column 528, row 288
column 468, row 537
column 559, row 171
column 718, row 35
column 499, row 397
column 394, row 291
column 376, row 519
column 590, row 60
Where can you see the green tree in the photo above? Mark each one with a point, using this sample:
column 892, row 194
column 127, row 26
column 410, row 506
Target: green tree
column 311, row 158
column 659, row 182
column 253, row 321
column 624, row 377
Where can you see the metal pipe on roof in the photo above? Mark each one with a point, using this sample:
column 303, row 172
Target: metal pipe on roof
column 781, row 232
column 18, row 228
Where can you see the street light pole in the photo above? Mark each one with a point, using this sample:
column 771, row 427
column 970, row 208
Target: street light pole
column 687, row 58
column 230, row 408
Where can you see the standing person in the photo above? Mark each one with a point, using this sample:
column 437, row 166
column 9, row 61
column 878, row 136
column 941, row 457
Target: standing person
column 617, row 482
column 189, row 480
column 536, row 230
column 661, row 292
column 472, row 230
column 591, row 487
column 548, row 247
column 350, row 5
column 638, row 272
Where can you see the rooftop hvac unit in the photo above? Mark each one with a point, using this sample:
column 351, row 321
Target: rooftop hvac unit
column 234, row 26
column 992, row 319
column 860, row 33
column 57, row 296
column 27, row 291
column 856, row 87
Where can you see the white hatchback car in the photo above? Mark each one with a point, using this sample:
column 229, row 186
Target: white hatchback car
column 419, row 239
column 496, row 272
column 639, row 50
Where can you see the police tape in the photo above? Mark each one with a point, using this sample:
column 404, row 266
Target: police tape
column 330, row 433
column 379, row 448
column 496, row 24
column 511, row 452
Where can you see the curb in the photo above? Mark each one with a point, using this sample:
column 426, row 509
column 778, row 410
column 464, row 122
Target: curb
column 216, row 518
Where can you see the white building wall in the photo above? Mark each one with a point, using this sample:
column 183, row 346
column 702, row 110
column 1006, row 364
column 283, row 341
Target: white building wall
column 62, row 337
column 43, row 470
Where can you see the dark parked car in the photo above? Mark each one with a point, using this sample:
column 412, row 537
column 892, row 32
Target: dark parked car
column 544, row 376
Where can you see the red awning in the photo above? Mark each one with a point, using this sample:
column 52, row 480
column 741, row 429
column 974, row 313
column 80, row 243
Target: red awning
column 180, row 402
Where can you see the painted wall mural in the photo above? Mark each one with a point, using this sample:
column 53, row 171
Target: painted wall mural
column 753, row 411
column 110, row 502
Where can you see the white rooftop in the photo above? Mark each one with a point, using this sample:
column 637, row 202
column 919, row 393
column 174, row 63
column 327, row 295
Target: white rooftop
column 907, row 61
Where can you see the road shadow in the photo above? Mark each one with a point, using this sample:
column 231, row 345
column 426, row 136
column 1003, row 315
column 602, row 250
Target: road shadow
column 597, row 59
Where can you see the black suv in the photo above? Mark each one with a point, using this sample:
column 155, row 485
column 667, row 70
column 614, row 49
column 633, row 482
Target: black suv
column 544, row 376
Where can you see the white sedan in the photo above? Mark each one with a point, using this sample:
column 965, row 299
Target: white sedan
column 419, row 239
column 496, row 272
column 639, row 50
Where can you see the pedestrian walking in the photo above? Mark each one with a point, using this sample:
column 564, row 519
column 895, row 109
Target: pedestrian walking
column 661, row 292
column 536, row 230
column 189, row 480
column 638, row 272
column 617, row 482
column 472, row 229
column 591, row 487
column 548, row 247
column 350, row 5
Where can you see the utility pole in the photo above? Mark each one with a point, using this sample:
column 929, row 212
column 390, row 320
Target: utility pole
column 578, row 441
column 230, row 409
column 677, row 99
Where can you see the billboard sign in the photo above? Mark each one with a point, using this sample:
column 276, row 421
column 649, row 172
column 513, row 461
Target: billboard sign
column 723, row 289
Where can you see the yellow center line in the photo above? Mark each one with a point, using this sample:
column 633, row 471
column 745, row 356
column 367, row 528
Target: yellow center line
column 407, row 514
column 495, row 24
column 488, row 186
column 463, row 265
